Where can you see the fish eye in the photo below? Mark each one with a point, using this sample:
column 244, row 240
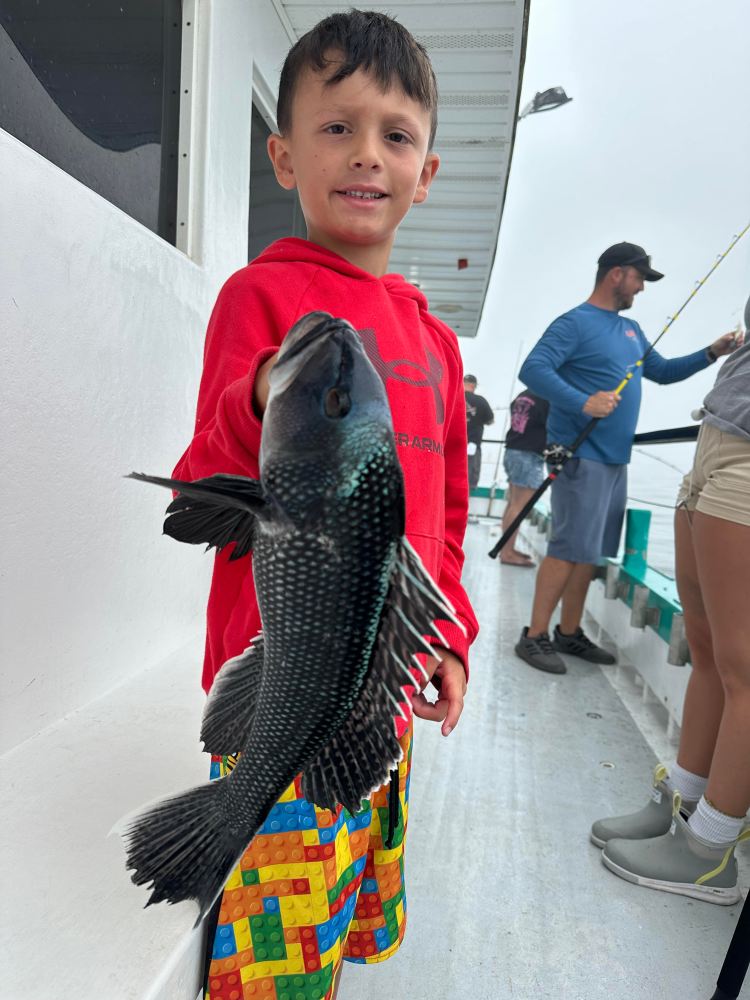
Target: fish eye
column 337, row 403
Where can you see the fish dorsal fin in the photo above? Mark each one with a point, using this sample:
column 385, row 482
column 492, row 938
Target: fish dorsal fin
column 230, row 708
column 216, row 511
column 361, row 755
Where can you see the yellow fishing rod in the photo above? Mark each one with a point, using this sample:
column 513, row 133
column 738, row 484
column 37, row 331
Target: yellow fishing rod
column 698, row 285
column 557, row 455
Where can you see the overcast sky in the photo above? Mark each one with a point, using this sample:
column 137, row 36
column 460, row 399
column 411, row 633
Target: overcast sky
column 654, row 149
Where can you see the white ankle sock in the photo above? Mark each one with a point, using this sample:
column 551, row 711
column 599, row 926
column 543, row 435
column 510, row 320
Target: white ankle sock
column 714, row 826
column 690, row 786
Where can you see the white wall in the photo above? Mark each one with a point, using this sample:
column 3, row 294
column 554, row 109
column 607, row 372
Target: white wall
column 102, row 340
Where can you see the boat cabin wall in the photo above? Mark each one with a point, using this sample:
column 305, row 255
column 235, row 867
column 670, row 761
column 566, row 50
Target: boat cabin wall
column 103, row 325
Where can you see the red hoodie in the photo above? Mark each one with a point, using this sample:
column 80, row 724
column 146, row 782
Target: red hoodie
column 418, row 359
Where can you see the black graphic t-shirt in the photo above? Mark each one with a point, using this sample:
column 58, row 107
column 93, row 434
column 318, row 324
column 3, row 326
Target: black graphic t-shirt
column 528, row 423
column 478, row 415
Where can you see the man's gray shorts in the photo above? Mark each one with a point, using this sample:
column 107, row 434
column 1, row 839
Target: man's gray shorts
column 588, row 507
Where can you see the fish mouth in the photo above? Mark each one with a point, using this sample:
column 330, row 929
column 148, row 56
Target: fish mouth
column 338, row 401
column 300, row 348
column 324, row 325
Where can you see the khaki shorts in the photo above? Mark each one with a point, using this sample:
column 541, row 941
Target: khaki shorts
column 719, row 482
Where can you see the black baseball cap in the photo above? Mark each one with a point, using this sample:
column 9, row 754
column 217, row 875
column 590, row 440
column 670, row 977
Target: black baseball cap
column 629, row 255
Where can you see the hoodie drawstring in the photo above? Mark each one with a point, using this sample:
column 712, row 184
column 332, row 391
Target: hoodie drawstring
column 393, row 807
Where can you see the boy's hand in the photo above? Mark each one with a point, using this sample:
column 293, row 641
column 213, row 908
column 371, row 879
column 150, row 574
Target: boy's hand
column 449, row 677
column 260, row 386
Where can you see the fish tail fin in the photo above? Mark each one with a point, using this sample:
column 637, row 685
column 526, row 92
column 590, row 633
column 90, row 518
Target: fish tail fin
column 184, row 848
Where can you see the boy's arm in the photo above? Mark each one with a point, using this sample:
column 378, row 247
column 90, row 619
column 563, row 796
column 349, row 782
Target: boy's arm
column 456, row 513
column 243, row 335
column 260, row 386
column 449, row 675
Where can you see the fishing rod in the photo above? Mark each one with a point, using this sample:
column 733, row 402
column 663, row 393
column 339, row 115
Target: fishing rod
column 558, row 454
column 670, row 435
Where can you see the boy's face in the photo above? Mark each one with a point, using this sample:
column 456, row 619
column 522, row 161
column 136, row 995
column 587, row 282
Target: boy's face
column 359, row 159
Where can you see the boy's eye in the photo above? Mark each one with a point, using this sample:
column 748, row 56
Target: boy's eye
column 336, row 129
column 398, row 137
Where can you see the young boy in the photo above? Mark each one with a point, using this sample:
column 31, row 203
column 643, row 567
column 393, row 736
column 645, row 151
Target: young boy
column 357, row 115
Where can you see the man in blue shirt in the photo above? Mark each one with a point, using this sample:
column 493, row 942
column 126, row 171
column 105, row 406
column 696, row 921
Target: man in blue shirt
column 582, row 351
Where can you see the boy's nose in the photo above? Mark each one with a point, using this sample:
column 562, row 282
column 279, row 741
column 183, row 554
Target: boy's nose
column 365, row 156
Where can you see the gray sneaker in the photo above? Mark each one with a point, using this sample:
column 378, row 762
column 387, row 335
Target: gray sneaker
column 538, row 652
column 679, row 862
column 653, row 820
column 579, row 644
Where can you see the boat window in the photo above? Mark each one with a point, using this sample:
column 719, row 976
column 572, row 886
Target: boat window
column 95, row 88
column 274, row 212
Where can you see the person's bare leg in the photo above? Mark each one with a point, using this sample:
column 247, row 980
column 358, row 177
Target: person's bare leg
column 574, row 597
column 517, row 497
column 551, row 579
column 722, row 551
column 704, row 697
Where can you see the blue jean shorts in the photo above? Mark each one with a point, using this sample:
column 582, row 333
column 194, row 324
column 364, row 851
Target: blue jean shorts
column 588, row 508
column 523, row 468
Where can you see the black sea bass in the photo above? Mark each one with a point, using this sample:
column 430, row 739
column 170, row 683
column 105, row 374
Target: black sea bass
column 345, row 604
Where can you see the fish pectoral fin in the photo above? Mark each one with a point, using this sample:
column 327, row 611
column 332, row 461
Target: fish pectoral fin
column 365, row 749
column 408, row 624
column 416, row 598
column 216, row 511
column 230, row 707
column 356, row 761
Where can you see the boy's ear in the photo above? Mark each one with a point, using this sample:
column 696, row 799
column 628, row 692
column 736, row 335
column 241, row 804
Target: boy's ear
column 278, row 153
column 430, row 168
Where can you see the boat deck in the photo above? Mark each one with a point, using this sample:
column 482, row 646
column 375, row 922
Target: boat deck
column 507, row 898
column 506, row 895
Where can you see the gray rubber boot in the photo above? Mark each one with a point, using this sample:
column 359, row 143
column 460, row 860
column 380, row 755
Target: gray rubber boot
column 652, row 821
column 678, row 862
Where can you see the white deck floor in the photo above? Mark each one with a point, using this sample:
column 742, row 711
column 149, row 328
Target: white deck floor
column 506, row 896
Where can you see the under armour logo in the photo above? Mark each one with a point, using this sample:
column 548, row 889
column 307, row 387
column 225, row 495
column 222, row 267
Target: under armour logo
column 432, row 376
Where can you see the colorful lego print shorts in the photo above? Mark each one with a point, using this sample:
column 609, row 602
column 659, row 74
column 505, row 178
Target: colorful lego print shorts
column 719, row 482
column 313, row 888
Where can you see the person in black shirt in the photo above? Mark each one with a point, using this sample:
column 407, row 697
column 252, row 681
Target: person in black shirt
column 525, row 441
column 478, row 416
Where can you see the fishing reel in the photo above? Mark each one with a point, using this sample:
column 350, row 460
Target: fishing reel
column 556, row 455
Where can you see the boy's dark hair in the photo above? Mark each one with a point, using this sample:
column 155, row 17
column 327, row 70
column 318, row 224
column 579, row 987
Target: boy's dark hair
column 369, row 41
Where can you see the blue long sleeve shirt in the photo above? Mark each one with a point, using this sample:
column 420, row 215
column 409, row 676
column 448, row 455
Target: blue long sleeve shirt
column 587, row 350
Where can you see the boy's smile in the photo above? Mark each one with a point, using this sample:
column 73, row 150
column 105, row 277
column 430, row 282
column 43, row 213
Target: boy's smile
column 359, row 159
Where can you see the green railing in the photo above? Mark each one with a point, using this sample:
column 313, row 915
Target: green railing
column 660, row 604
column 495, row 492
column 651, row 595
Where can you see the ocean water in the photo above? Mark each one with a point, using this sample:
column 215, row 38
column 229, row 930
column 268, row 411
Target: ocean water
column 654, row 476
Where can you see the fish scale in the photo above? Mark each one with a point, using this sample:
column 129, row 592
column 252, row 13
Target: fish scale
column 345, row 605
column 316, row 618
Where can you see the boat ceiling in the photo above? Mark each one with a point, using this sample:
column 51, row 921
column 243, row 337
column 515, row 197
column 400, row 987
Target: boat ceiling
column 447, row 245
